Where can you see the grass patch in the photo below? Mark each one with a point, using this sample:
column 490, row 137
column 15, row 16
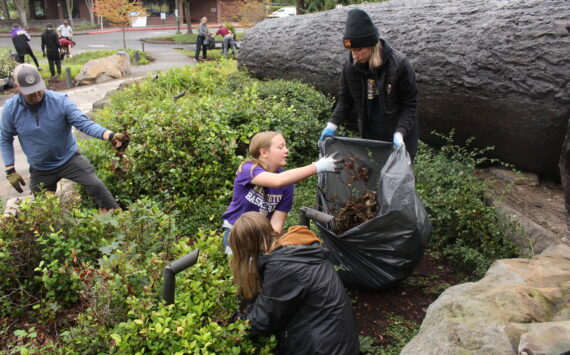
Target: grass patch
column 76, row 62
column 186, row 38
column 212, row 53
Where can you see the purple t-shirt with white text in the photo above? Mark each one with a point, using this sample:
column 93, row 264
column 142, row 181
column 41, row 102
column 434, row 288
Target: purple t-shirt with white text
column 248, row 197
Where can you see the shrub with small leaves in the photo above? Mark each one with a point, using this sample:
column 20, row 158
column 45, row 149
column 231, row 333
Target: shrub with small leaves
column 469, row 232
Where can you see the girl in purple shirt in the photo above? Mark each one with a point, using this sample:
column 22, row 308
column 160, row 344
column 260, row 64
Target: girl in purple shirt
column 262, row 185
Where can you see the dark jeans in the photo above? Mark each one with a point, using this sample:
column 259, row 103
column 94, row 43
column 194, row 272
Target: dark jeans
column 200, row 46
column 54, row 60
column 77, row 169
column 22, row 54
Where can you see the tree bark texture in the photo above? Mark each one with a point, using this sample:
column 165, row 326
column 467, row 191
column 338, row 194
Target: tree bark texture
column 565, row 173
column 496, row 70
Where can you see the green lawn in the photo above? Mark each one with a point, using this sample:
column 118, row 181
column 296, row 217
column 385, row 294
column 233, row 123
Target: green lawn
column 188, row 38
column 212, row 53
column 76, row 62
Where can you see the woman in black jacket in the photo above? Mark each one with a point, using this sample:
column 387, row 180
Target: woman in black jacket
column 296, row 292
column 380, row 84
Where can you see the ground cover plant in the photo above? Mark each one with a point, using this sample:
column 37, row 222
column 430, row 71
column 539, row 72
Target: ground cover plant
column 93, row 283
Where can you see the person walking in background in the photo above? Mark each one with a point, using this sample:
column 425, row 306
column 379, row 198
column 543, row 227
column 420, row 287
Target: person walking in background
column 65, row 32
column 261, row 185
column 203, row 32
column 296, row 292
column 50, row 46
column 21, row 41
column 42, row 120
column 380, row 83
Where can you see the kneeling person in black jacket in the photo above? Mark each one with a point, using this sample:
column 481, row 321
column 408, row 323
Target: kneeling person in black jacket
column 296, row 291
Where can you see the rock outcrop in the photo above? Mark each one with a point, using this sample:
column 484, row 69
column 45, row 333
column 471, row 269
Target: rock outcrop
column 494, row 70
column 520, row 305
column 104, row 69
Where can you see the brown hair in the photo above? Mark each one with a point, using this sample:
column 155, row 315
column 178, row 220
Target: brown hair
column 261, row 140
column 251, row 235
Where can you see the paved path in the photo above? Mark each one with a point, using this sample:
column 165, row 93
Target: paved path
column 85, row 96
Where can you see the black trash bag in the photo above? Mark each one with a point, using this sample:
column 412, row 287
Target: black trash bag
column 385, row 249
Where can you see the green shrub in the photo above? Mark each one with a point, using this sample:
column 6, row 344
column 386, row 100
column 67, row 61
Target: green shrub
column 468, row 231
column 186, row 152
column 7, row 63
column 39, row 248
column 129, row 316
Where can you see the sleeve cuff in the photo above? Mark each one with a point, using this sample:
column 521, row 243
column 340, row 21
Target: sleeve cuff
column 402, row 131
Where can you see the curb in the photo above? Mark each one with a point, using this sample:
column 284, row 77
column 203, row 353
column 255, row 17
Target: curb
column 112, row 30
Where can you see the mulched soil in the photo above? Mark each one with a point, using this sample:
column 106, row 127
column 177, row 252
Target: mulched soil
column 57, row 84
column 409, row 299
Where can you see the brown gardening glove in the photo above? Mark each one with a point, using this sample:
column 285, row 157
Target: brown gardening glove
column 119, row 141
column 15, row 179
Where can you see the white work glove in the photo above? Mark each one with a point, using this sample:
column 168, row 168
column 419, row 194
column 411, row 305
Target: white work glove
column 329, row 164
column 398, row 139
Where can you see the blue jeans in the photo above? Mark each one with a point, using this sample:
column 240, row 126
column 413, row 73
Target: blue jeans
column 226, row 241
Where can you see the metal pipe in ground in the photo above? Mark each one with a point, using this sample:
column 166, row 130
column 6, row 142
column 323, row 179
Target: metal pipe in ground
column 68, row 78
column 170, row 271
column 306, row 214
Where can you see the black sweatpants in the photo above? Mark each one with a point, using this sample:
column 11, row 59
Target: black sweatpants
column 22, row 54
column 77, row 169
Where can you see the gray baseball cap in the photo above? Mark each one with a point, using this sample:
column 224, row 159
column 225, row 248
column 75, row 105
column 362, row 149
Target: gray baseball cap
column 28, row 78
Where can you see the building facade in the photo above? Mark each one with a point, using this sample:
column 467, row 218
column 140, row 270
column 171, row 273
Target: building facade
column 214, row 10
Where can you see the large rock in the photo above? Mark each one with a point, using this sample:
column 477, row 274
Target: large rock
column 507, row 311
column 495, row 70
column 104, row 69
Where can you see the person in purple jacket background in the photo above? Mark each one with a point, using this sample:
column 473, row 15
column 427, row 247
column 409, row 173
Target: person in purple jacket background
column 21, row 40
column 261, row 185
column 42, row 120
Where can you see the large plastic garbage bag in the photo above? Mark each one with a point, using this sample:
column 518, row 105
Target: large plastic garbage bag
column 385, row 249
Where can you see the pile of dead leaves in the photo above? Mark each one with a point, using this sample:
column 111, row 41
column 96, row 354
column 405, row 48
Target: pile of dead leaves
column 357, row 210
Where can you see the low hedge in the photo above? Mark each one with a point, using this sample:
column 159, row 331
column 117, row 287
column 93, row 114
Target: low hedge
column 185, row 152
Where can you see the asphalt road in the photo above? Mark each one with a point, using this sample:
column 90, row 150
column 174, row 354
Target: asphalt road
column 112, row 40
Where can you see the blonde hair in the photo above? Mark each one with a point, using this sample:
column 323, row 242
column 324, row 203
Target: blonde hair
column 251, row 235
column 261, row 140
column 375, row 60
column 203, row 19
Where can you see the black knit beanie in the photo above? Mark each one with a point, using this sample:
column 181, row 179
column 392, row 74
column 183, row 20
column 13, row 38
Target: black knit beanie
column 359, row 31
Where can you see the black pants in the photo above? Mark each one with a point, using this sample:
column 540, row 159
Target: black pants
column 200, row 45
column 77, row 169
column 54, row 61
column 22, row 54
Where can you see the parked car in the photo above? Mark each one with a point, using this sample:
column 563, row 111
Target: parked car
column 284, row 12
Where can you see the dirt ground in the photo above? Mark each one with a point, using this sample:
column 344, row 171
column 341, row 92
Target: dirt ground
column 409, row 299
column 537, row 205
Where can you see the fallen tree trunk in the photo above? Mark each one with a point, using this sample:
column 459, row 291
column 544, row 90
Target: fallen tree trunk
column 565, row 174
column 497, row 71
